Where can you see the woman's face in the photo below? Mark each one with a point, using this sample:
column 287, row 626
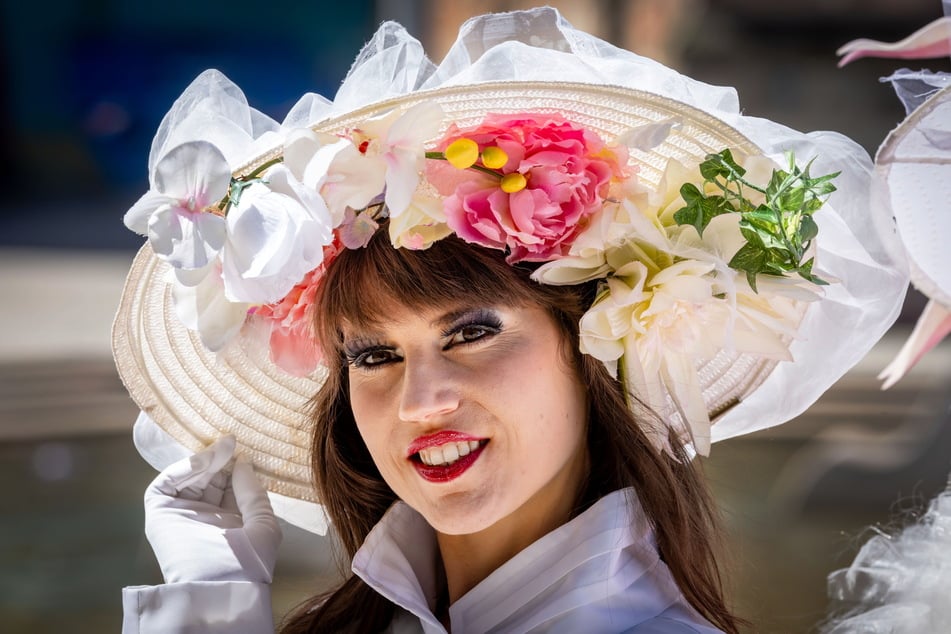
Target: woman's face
column 471, row 414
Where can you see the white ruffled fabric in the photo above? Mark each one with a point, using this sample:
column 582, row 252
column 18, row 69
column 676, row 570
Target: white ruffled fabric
column 899, row 583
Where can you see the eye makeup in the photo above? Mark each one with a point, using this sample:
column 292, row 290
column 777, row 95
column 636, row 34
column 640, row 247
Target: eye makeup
column 460, row 327
column 486, row 318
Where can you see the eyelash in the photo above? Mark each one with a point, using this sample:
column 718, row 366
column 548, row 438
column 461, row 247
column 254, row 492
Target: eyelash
column 487, row 323
column 359, row 359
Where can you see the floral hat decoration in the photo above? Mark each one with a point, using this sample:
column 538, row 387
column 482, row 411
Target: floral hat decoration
column 739, row 273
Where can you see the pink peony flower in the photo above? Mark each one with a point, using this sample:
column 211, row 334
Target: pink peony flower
column 293, row 347
column 567, row 174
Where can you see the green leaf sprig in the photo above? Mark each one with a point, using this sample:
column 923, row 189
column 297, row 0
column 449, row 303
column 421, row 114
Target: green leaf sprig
column 778, row 232
column 238, row 185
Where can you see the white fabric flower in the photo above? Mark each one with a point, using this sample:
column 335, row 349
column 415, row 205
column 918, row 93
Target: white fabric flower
column 209, row 131
column 203, row 307
column 387, row 153
column 177, row 212
column 215, row 110
column 276, row 234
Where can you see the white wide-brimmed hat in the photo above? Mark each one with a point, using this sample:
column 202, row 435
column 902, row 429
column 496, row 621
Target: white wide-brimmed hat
column 533, row 138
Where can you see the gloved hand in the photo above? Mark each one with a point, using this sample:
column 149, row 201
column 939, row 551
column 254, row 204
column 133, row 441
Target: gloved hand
column 205, row 525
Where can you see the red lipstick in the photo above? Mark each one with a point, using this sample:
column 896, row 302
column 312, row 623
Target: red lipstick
column 444, row 472
column 439, row 438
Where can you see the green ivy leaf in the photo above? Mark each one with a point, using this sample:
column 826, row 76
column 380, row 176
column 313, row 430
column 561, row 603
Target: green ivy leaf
column 776, row 184
column 793, row 198
column 723, row 165
column 752, row 259
column 808, row 229
column 761, row 235
column 700, row 209
column 805, row 271
column 779, row 231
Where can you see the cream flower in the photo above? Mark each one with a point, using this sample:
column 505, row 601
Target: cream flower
column 621, row 233
column 421, row 223
column 661, row 323
column 663, row 326
column 612, row 317
column 666, row 199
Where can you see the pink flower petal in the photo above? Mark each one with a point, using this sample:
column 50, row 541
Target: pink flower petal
column 294, row 351
column 932, row 40
column 568, row 174
column 933, row 325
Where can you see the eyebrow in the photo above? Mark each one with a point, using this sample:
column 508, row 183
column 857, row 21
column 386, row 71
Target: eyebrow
column 454, row 316
column 441, row 322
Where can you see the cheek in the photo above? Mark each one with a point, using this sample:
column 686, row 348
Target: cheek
column 556, row 403
column 365, row 414
column 569, row 404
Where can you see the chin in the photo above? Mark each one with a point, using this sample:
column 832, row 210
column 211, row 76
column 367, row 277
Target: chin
column 458, row 517
column 457, row 526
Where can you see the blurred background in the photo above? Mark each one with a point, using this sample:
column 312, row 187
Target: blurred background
column 83, row 86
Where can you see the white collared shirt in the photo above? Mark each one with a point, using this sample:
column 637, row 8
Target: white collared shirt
column 600, row 572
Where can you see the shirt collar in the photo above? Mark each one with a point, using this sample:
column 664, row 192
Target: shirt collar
column 400, row 559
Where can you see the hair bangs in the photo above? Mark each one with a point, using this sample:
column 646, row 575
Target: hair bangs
column 361, row 286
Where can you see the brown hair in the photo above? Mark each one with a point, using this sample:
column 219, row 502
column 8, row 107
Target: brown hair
column 671, row 491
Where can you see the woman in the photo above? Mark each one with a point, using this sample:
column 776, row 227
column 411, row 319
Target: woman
column 509, row 380
column 523, row 285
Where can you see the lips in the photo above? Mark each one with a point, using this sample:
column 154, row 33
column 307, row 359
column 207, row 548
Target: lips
column 445, row 455
column 438, row 439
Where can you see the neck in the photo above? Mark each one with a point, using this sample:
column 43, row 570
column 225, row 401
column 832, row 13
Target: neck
column 468, row 559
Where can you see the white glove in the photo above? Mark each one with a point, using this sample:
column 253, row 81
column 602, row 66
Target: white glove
column 206, row 526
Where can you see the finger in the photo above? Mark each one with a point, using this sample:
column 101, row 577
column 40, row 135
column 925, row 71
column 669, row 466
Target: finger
column 260, row 524
column 214, row 491
column 228, row 502
column 195, row 471
column 249, row 494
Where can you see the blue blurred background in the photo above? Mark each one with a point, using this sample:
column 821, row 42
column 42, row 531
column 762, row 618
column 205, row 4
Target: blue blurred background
column 83, row 86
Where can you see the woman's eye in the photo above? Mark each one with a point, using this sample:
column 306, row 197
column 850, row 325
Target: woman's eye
column 470, row 333
column 371, row 358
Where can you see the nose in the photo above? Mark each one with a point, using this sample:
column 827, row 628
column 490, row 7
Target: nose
column 429, row 390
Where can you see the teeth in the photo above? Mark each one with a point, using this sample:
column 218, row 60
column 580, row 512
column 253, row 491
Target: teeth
column 448, row 453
